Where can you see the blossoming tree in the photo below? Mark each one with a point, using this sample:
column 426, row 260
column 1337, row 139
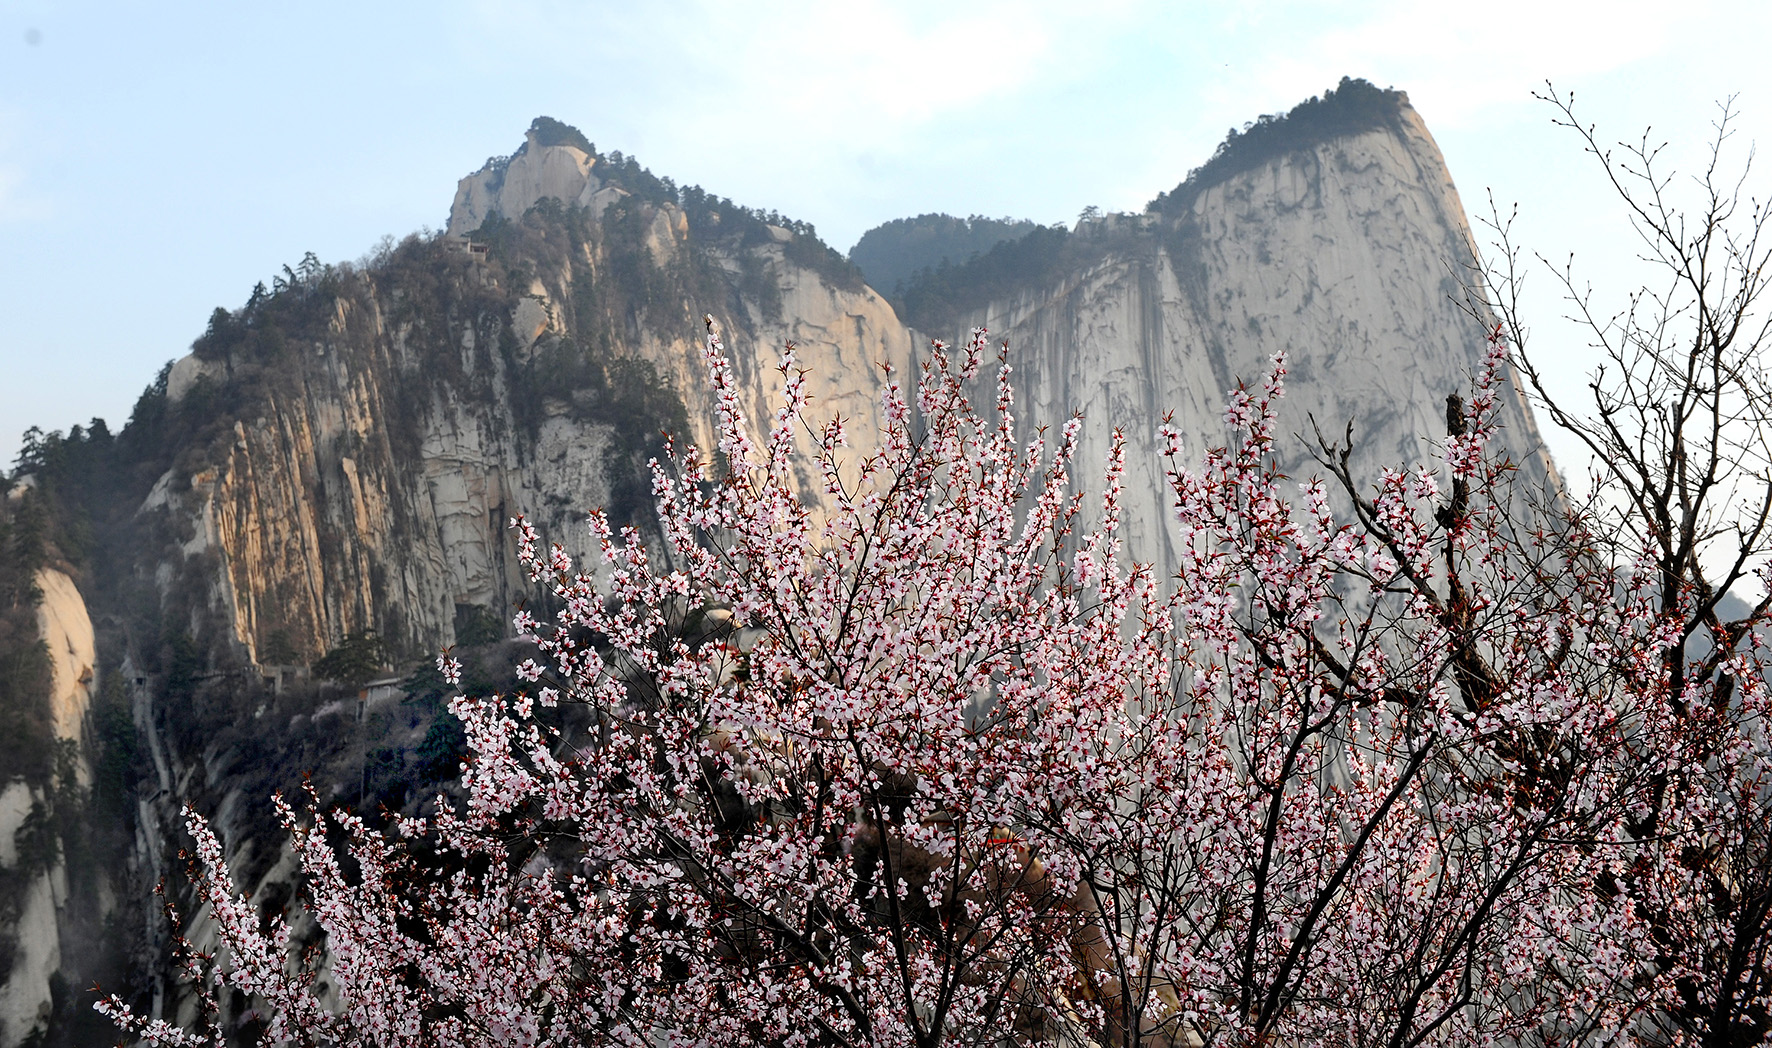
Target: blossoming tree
column 926, row 760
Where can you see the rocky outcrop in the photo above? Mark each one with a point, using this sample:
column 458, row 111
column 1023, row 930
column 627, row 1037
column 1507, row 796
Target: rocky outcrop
column 66, row 628
column 34, row 869
column 512, row 185
column 35, row 940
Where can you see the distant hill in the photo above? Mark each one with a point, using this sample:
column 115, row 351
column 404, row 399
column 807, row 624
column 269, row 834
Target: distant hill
column 893, row 254
column 934, row 298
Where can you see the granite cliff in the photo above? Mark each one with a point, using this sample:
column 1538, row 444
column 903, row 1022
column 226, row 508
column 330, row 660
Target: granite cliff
column 330, row 469
column 368, row 486
column 1349, row 255
column 36, row 875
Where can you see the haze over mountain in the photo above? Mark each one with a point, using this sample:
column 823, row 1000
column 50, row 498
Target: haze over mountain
column 901, row 250
column 247, row 581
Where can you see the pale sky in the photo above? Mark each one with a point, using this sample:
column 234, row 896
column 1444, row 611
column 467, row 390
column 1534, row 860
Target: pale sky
column 156, row 160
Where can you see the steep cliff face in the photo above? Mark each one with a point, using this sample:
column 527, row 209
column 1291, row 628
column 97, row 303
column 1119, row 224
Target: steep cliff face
column 1348, row 256
column 341, row 454
column 365, row 480
column 33, row 868
column 66, row 629
column 320, row 518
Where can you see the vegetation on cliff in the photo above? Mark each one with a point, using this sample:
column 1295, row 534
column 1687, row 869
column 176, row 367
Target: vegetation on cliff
column 714, row 221
column 1352, row 107
column 938, row 298
column 75, row 832
column 551, row 132
column 27, row 741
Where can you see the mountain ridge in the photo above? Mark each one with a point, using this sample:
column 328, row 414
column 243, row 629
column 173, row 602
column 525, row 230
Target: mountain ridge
column 336, row 458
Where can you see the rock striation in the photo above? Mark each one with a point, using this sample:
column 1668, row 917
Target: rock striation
column 1350, row 257
column 370, row 485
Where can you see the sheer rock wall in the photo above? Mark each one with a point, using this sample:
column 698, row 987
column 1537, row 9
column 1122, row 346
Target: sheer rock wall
column 1351, row 258
column 36, row 935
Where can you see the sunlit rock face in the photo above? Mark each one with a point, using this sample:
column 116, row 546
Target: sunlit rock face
column 369, row 482
column 1350, row 257
column 512, row 186
column 66, row 629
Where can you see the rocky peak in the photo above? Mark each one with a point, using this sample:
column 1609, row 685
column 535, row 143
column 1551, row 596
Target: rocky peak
column 1332, row 234
column 554, row 161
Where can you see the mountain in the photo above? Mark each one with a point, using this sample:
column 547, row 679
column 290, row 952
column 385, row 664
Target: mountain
column 1334, row 234
column 319, row 489
column 904, row 249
